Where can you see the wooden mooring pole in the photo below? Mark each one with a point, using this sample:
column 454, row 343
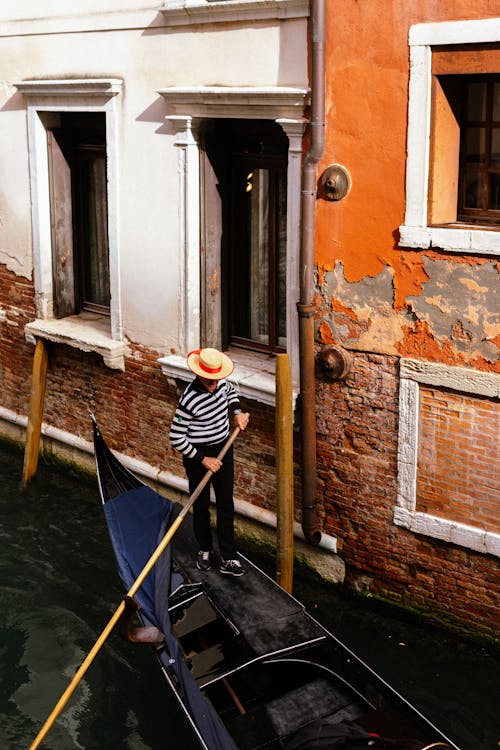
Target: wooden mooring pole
column 284, row 473
column 34, row 427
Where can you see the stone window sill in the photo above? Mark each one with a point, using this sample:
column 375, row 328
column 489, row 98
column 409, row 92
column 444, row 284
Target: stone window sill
column 453, row 239
column 253, row 375
column 88, row 332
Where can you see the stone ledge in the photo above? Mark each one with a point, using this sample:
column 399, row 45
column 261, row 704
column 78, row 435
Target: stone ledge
column 253, row 383
column 102, row 87
column 452, row 239
column 277, row 102
column 454, row 532
column 88, row 332
column 186, row 12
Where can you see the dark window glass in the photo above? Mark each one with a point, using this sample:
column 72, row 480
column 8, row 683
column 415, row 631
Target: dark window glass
column 79, row 213
column 258, row 254
column 249, row 160
column 480, row 150
column 93, row 227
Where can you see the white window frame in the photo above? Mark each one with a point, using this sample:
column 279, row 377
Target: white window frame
column 87, row 332
column 463, row 380
column 415, row 232
column 187, row 108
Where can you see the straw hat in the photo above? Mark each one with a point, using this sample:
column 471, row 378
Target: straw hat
column 210, row 364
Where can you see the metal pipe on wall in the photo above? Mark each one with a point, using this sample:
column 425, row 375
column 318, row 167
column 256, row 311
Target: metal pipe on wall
column 305, row 306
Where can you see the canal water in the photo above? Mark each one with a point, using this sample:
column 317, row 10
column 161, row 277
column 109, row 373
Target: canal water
column 59, row 588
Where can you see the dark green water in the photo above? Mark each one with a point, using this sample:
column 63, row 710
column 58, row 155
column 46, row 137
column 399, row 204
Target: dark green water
column 59, row 588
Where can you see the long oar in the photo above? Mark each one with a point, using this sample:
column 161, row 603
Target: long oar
column 131, row 592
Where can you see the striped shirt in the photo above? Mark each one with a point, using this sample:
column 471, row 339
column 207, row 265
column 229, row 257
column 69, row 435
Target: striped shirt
column 202, row 418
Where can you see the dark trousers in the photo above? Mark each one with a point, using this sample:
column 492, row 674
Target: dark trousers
column 222, row 482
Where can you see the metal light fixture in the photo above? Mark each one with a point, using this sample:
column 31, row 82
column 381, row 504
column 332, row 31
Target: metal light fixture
column 335, row 182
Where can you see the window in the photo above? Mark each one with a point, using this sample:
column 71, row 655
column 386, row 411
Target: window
column 274, row 114
column 465, row 150
column 73, row 160
column 78, row 206
column 479, row 188
column 249, row 162
column 453, row 153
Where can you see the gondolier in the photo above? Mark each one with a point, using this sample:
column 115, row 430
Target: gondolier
column 200, row 427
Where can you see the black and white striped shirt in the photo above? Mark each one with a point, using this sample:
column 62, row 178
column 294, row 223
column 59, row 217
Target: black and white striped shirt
column 202, row 418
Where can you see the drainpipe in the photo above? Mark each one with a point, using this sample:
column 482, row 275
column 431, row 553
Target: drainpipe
column 305, row 306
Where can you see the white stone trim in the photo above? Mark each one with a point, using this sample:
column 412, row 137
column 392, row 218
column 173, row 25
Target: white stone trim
column 70, row 95
column 97, row 87
column 87, row 332
column 415, row 233
column 189, row 231
column 285, row 106
column 52, row 437
column 252, row 383
column 259, row 102
column 295, row 131
column 464, row 380
column 185, row 12
column 455, row 32
column 172, row 13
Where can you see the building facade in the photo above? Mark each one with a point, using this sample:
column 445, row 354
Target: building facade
column 152, row 161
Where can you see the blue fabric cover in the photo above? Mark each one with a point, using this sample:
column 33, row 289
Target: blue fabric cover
column 137, row 520
column 134, row 520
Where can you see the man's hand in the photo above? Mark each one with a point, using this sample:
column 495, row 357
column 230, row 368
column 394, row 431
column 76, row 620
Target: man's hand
column 241, row 420
column 212, row 464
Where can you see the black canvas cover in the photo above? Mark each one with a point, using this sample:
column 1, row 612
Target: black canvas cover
column 346, row 736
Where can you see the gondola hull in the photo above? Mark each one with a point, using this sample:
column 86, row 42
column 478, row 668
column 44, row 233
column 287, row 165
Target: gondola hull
column 251, row 669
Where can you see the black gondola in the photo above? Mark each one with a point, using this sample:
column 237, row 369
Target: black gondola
column 251, row 669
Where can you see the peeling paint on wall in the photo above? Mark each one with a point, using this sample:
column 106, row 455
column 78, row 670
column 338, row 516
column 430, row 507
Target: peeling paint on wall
column 460, row 305
column 360, row 314
column 455, row 318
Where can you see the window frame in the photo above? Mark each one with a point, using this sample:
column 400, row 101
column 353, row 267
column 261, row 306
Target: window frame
column 485, row 215
column 45, row 96
column 80, row 155
column 275, row 165
column 405, row 514
column 417, row 231
column 74, row 96
column 188, row 108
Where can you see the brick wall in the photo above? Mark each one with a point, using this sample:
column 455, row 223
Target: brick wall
column 357, row 469
column 357, row 423
column 459, row 457
column 134, row 408
column 16, row 356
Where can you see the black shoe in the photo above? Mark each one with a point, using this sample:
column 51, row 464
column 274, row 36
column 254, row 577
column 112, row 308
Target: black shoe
column 203, row 560
column 231, row 568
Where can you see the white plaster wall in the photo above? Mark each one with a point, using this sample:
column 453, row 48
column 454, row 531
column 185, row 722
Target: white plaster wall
column 147, row 59
column 29, row 9
column 15, row 207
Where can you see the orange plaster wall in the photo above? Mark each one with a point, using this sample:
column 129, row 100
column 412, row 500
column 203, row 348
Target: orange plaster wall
column 367, row 68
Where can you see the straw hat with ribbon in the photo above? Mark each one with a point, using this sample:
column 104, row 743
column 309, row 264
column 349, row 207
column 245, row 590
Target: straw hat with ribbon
column 210, row 364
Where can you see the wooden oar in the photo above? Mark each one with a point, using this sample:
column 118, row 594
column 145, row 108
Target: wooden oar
column 131, row 592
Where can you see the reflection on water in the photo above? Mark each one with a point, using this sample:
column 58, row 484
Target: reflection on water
column 59, row 588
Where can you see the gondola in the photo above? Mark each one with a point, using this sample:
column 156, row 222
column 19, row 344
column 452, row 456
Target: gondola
column 249, row 666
